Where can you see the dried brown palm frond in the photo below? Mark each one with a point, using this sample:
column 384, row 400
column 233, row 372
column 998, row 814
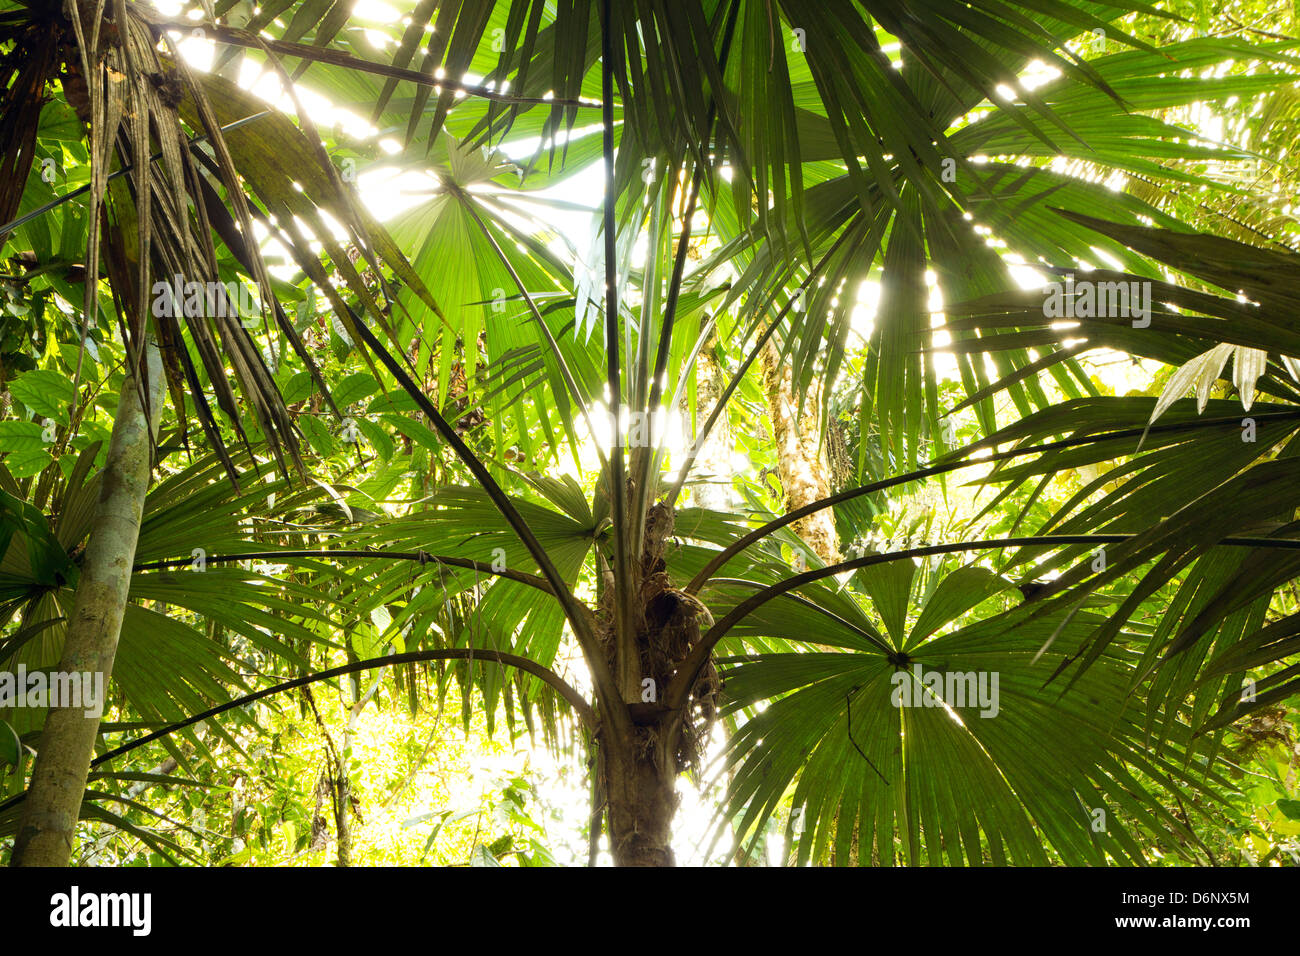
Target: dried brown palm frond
column 143, row 105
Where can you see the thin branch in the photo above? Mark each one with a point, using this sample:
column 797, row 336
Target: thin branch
column 578, row 614
column 566, row 690
column 422, row 557
column 623, row 585
column 1263, row 33
column 304, row 51
column 417, row 765
column 848, row 729
column 790, row 517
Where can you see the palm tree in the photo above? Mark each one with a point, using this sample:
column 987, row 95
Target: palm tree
column 800, row 147
column 112, row 69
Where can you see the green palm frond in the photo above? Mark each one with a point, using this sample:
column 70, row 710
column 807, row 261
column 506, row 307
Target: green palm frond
column 1053, row 778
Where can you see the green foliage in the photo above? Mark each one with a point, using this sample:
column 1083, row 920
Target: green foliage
column 821, row 148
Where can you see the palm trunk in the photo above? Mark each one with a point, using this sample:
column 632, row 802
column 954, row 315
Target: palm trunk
column 640, row 785
column 638, row 769
column 67, row 742
column 800, row 463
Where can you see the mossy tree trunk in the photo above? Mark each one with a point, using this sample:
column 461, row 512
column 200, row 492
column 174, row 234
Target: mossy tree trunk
column 713, row 464
column 805, row 476
column 67, row 742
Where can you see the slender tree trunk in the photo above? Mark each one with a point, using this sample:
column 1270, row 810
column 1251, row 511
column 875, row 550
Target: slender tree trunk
column 343, row 779
column 342, row 804
column 803, row 470
column 67, row 742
